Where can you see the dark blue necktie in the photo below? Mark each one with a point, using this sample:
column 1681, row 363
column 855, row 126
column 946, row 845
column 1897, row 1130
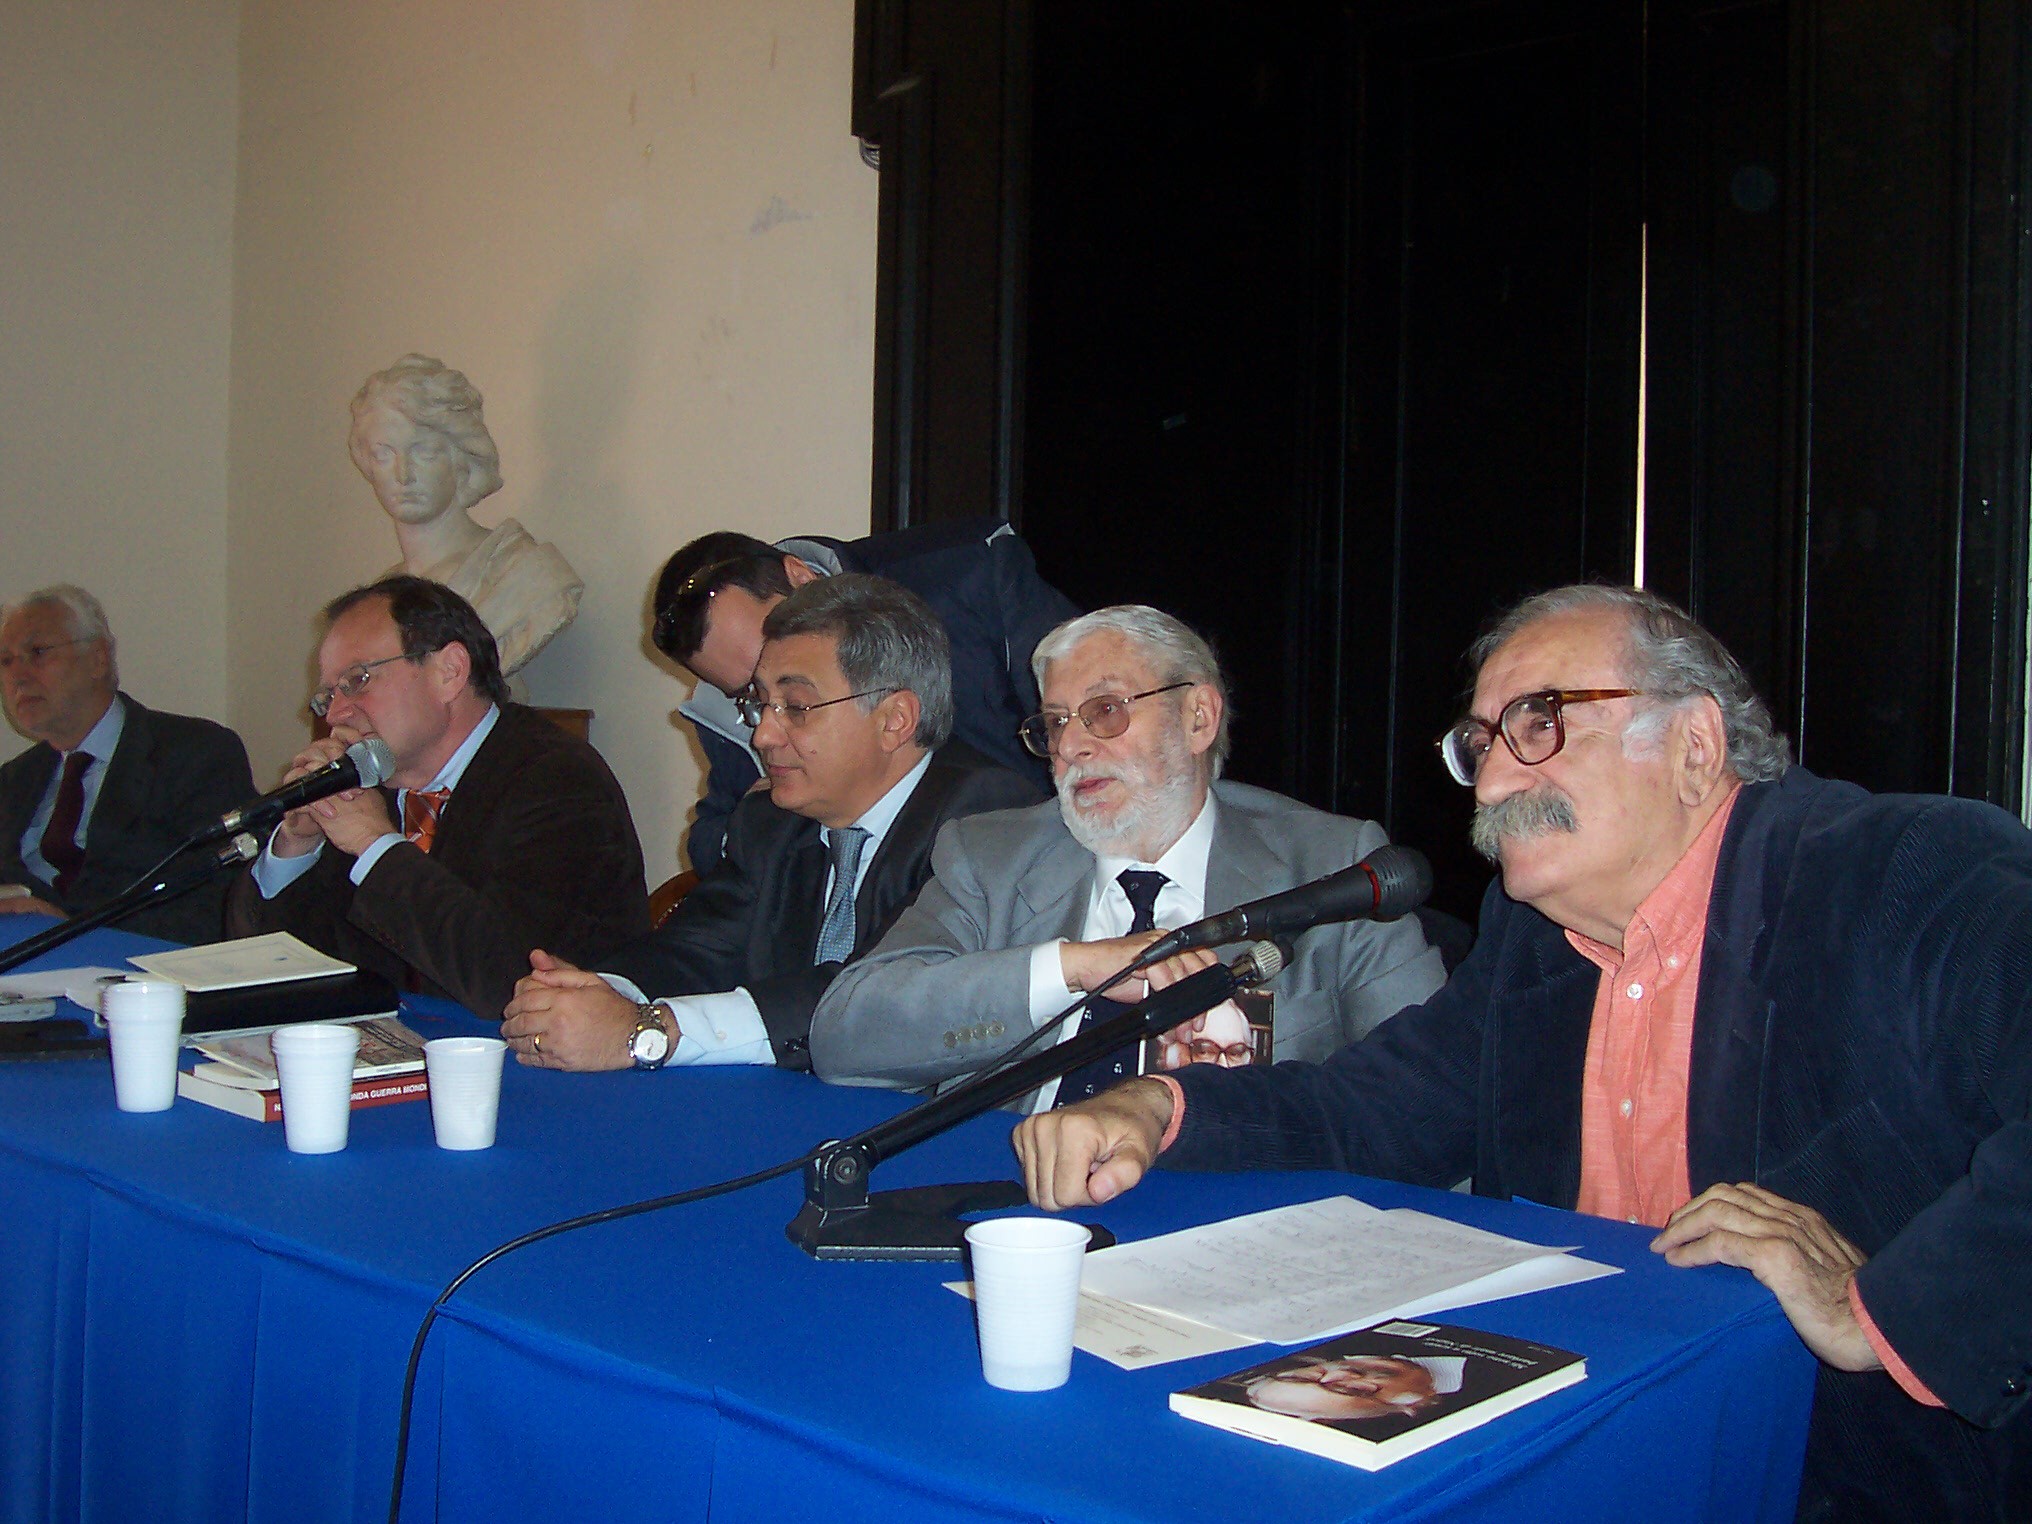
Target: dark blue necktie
column 1142, row 886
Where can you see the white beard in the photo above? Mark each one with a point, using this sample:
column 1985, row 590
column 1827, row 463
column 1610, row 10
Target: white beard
column 1161, row 803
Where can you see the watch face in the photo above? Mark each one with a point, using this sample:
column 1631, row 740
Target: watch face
column 651, row 1045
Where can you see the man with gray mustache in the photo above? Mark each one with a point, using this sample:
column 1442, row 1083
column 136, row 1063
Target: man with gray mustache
column 1783, row 1021
column 1029, row 908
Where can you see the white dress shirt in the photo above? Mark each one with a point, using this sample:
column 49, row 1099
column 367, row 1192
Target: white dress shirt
column 1180, row 902
column 727, row 1028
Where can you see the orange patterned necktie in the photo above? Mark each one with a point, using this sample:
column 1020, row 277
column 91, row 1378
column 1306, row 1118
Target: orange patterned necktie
column 420, row 807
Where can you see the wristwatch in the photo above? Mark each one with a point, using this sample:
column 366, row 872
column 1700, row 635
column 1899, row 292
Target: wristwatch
column 651, row 1042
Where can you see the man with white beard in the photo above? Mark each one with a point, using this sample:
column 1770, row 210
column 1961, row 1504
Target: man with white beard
column 1028, row 908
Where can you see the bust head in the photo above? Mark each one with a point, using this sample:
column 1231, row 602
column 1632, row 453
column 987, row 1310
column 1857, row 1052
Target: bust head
column 418, row 436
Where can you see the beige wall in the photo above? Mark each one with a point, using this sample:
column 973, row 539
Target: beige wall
column 642, row 229
column 117, row 143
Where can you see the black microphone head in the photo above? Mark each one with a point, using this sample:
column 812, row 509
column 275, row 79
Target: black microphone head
column 373, row 759
column 1403, row 880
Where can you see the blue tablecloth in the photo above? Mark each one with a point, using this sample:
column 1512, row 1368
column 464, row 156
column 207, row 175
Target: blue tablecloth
column 201, row 1326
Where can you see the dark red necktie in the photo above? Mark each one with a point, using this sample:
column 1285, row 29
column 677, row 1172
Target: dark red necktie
column 60, row 847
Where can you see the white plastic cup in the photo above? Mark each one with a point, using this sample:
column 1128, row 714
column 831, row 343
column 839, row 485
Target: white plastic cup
column 465, row 1089
column 1026, row 1294
column 315, row 1061
column 144, row 1020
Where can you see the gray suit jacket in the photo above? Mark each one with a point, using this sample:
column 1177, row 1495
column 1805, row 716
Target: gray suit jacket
column 948, row 989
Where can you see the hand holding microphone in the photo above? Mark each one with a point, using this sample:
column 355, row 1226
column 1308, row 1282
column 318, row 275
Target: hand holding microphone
column 342, row 766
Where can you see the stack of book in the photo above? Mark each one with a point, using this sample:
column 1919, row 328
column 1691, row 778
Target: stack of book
column 239, row 1075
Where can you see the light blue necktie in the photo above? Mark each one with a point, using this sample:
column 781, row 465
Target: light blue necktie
column 836, row 937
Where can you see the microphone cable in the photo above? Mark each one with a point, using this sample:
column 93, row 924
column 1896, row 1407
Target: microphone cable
column 639, row 1208
column 534, row 1236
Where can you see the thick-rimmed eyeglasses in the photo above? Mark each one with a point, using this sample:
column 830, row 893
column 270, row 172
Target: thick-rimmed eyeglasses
column 351, row 684
column 38, row 653
column 1532, row 725
column 753, row 706
column 1105, row 716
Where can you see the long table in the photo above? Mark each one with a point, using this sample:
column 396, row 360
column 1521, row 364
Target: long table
column 202, row 1326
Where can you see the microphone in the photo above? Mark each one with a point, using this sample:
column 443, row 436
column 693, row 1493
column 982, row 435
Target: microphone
column 1391, row 881
column 365, row 765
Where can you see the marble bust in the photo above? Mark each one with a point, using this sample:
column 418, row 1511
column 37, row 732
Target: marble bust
column 419, row 439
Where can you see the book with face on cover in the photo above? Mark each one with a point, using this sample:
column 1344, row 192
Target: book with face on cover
column 1369, row 1399
column 1240, row 1030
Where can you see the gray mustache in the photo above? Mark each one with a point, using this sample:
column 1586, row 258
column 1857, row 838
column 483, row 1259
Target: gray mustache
column 1538, row 813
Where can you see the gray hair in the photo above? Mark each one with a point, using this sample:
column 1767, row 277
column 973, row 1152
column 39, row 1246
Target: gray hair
column 1671, row 660
column 82, row 613
column 1178, row 653
column 887, row 637
column 432, row 395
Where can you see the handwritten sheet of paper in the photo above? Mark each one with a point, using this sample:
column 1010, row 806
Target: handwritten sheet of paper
column 1310, row 1271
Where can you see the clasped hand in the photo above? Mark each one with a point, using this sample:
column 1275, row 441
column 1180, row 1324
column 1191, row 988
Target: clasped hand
column 351, row 820
column 563, row 1017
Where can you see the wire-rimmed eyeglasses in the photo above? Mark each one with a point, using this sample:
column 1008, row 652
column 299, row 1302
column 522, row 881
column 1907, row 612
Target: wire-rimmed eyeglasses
column 1105, row 716
column 1532, row 725
column 351, row 684
column 752, row 706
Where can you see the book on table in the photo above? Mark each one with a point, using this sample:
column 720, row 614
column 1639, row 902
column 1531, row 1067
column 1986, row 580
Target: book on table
column 256, row 984
column 239, row 1072
column 1369, row 1399
column 265, row 1104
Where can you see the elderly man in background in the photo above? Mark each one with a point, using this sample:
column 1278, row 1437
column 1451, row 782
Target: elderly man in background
column 500, row 834
column 1028, row 908
column 1782, row 1020
column 852, row 709
column 977, row 576
column 110, row 787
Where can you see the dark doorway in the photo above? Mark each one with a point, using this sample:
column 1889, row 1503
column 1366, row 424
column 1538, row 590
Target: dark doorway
column 1319, row 324
column 1330, row 351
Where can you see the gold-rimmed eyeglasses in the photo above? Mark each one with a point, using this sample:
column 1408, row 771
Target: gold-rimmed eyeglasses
column 1105, row 716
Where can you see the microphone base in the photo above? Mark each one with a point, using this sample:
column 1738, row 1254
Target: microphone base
column 840, row 1219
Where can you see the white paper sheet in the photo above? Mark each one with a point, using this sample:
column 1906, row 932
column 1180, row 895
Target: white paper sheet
column 1134, row 1337
column 1306, row 1272
column 238, row 964
column 80, row 984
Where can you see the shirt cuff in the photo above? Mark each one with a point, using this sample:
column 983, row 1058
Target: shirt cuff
column 1048, row 994
column 377, row 849
column 711, row 1029
column 1177, row 1110
column 1899, row 1371
column 274, row 874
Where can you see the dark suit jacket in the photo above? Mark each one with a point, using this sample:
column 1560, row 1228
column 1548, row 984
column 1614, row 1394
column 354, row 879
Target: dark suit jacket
column 535, row 848
column 754, row 921
column 170, row 774
column 1862, row 1044
column 981, row 581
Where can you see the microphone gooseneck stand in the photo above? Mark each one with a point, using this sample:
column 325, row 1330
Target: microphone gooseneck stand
column 145, row 890
column 841, row 1220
